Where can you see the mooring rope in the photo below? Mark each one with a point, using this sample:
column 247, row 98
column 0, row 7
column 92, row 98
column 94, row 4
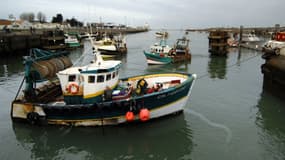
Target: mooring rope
column 200, row 76
column 230, row 66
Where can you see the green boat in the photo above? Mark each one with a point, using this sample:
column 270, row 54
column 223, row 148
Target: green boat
column 159, row 53
column 71, row 41
column 163, row 54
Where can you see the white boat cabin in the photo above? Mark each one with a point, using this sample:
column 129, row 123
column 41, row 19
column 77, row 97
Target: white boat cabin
column 160, row 48
column 87, row 83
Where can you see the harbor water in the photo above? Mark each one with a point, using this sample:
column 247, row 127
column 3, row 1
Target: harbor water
column 228, row 116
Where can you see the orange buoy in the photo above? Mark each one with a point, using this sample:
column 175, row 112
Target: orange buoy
column 130, row 116
column 144, row 114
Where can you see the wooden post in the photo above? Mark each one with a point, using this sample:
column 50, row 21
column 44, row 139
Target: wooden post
column 240, row 34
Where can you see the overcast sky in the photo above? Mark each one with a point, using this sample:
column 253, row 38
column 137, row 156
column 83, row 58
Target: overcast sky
column 176, row 14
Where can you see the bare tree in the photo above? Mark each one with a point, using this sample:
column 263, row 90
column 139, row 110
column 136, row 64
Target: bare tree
column 41, row 17
column 28, row 16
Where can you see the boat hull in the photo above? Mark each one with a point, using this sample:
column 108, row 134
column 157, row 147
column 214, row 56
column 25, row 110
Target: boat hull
column 159, row 104
column 73, row 44
column 157, row 59
column 108, row 50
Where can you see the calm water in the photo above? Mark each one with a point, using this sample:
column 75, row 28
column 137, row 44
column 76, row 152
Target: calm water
column 228, row 116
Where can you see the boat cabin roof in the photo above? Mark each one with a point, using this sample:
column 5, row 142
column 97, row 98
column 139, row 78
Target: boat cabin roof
column 100, row 67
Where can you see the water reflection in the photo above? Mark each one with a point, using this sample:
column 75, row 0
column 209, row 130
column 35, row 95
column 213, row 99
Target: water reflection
column 217, row 67
column 10, row 66
column 175, row 67
column 167, row 138
column 270, row 119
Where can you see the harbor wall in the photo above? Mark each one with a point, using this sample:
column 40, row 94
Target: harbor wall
column 14, row 42
column 274, row 75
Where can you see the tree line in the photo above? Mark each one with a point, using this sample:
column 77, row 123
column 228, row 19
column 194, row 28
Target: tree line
column 41, row 17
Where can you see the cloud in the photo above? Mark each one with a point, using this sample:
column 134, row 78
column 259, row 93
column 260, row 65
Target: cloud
column 158, row 13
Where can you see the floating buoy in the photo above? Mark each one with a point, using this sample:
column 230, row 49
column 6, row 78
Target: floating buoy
column 144, row 114
column 130, row 116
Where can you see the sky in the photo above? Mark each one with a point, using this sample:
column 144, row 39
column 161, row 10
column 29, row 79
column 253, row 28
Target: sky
column 168, row 14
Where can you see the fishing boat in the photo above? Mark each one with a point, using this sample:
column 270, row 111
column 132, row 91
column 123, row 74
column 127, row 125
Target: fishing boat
column 71, row 41
column 93, row 94
column 112, row 46
column 250, row 38
column 106, row 45
column 163, row 54
column 161, row 34
column 275, row 46
column 159, row 53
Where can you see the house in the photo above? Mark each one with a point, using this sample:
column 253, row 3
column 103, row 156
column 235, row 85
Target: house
column 4, row 22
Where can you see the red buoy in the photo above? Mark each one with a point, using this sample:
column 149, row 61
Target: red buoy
column 144, row 114
column 130, row 116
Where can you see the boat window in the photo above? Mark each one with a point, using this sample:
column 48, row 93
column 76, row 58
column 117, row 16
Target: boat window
column 108, row 77
column 91, row 79
column 71, row 78
column 100, row 78
column 114, row 75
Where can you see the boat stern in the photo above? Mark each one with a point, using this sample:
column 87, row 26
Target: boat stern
column 27, row 112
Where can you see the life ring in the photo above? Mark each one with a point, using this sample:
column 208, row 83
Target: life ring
column 73, row 88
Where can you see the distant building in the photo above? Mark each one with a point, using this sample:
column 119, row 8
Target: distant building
column 16, row 24
column 5, row 23
column 39, row 25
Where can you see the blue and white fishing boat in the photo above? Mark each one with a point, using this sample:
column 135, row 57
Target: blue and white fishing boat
column 93, row 94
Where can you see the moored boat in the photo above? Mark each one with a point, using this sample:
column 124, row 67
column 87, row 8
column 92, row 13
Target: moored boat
column 275, row 46
column 159, row 53
column 112, row 46
column 71, row 40
column 106, row 45
column 163, row 54
column 161, row 34
column 250, row 38
column 94, row 95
